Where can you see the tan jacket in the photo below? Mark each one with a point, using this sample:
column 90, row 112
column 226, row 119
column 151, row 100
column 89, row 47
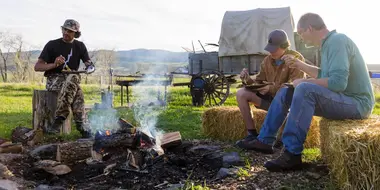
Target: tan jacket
column 270, row 72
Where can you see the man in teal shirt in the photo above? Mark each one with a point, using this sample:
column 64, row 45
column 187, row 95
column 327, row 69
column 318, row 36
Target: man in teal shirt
column 339, row 89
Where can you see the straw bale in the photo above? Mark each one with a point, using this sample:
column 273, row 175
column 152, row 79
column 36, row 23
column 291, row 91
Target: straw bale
column 226, row 123
column 351, row 148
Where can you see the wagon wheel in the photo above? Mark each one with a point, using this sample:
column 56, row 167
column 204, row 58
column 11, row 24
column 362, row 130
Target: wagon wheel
column 215, row 89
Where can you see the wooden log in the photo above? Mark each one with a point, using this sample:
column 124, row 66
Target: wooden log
column 44, row 107
column 11, row 148
column 71, row 152
column 126, row 127
column 115, row 140
column 171, row 139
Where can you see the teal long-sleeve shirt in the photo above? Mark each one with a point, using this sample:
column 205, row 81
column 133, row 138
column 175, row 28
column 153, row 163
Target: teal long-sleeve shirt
column 347, row 73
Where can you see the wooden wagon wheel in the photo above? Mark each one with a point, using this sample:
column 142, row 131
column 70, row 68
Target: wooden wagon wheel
column 215, row 88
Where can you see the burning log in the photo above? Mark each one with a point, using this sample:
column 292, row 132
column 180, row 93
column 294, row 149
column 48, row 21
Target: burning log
column 106, row 140
column 71, row 152
column 126, row 127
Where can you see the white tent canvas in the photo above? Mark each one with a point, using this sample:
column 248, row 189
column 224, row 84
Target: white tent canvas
column 246, row 32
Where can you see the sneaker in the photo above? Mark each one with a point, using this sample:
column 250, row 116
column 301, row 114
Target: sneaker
column 258, row 146
column 285, row 162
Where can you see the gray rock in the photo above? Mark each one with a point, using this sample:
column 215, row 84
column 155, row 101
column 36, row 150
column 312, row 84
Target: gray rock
column 175, row 186
column 44, row 152
column 223, row 173
column 232, row 159
column 47, row 187
column 8, row 185
column 213, row 159
column 203, row 149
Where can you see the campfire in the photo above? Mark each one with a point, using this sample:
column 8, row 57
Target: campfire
column 125, row 157
column 141, row 149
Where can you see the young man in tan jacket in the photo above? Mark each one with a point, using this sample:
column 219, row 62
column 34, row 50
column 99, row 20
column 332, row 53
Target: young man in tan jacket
column 272, row 70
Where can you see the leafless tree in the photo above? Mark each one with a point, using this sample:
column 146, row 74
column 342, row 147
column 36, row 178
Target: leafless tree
column 105, row 59
column 93, row 56
column 6, row 46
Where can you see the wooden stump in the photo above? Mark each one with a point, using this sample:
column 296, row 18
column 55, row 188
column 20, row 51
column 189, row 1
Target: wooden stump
column 71, row 152
column 44, row 106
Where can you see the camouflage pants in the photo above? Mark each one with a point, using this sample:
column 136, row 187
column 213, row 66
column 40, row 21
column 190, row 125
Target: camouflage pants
column 70, row 95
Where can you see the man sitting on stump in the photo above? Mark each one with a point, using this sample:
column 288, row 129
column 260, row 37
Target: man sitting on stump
column 273, row 70
column 64, row 54
column 340, row 89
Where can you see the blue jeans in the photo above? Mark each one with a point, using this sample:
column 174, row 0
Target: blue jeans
column 306, row 100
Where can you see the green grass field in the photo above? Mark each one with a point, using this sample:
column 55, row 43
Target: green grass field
column 179, row 115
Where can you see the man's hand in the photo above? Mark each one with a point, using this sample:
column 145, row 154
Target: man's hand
column 59, row 61
column 264, row 90
column 244, row 76
column 292, row 61
column 90, row 69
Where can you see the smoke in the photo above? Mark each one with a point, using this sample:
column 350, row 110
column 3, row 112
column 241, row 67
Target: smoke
column 149, row 103
column 104, row 117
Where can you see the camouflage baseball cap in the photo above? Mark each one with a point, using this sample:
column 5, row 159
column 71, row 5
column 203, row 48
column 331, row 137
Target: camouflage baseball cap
column 72, row 25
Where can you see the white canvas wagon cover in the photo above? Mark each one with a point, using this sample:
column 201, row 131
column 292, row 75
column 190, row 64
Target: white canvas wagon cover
column 246, row 32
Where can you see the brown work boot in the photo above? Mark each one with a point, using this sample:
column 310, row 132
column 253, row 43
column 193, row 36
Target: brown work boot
column 257, row 145
column 286, row 161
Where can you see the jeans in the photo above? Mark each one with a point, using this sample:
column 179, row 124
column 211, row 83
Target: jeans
column 306, row 100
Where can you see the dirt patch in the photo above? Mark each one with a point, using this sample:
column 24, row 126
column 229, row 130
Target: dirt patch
column 194, row 161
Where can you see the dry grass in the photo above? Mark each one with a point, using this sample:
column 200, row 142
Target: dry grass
column 226, row 123
column 351, row 148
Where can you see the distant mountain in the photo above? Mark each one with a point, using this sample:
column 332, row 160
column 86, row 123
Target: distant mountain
column 144, row 56
column 151, row 56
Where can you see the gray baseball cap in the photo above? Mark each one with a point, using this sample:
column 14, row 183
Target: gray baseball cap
column 275, row 40
column 72, row 25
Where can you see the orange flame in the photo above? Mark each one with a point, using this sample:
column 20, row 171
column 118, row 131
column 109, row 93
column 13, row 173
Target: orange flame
column 108, row 133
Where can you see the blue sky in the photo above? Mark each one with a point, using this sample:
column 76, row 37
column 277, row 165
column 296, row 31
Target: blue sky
column 172, row 24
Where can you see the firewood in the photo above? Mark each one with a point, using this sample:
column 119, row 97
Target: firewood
column 126, row 127
column 171, row 139
column 71, row 152
column 53, row 167
column 115, row 140
column 11, row 148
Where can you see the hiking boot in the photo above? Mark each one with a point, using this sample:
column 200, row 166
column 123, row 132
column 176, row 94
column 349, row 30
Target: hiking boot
column 258, row 146
column 85, row 133
column 55, row 128
column 249, row 137
column 285, row 162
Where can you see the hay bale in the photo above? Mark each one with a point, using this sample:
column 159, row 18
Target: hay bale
column 226, row 123
column 351, row 148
